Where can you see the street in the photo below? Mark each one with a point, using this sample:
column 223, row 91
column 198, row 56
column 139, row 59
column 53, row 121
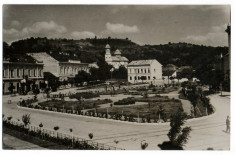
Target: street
column 204, row 134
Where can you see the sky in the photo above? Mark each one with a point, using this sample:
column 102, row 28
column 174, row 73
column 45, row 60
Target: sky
column 143, row 24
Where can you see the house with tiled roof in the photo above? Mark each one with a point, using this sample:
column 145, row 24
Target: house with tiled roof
column 145, row 71
column 115, row 60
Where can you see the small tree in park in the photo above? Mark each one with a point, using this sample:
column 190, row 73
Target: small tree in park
column 40, row 125
column 26, row 119
column 56, row 128
column 90, row 135
column 160, row 112
column 9, row 118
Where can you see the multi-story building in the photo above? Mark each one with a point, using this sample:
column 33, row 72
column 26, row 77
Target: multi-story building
column 147, row 71
column 19, row 70
column 61, row 70
column 117, row 60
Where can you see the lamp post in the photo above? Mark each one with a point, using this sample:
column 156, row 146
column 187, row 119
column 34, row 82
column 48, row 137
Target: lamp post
column 111, row 70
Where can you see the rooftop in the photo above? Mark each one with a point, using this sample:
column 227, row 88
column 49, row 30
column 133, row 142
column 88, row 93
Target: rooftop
column 117, row 52
column 141, row 62
column 117, row 59
column 107, row 46
column 20, row 58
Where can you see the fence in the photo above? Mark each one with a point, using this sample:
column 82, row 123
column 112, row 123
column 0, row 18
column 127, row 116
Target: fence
column 57, row 137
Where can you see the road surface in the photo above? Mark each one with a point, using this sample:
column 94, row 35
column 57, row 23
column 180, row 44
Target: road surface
column 207, row 132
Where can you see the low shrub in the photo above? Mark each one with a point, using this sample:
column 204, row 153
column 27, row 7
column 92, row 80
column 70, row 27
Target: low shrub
column 86, row 95
column 126, row 101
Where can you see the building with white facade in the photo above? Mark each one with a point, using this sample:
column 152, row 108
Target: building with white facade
column 146, row 71
column 61, row 70
column 116, row 60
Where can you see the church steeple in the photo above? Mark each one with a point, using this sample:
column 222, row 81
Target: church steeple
column 108, row 57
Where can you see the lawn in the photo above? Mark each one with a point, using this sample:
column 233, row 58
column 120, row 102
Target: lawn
column 88, row 104
column 147, row 110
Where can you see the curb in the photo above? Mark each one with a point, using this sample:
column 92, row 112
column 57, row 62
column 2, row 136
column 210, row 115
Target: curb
column 118, row 121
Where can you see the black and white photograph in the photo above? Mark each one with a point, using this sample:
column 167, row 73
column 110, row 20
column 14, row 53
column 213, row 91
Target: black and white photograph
column 116, row 77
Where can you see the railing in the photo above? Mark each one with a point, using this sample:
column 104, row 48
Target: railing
column 57, row 137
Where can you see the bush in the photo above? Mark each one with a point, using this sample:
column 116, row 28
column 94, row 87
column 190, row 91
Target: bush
column 125, row 101
column 86, row 95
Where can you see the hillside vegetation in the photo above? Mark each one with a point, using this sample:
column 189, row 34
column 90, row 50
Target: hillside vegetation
column 92, row 50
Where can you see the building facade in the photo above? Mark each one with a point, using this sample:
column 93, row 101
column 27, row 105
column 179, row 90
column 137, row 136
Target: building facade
column 146, row 71
column 21, row 75
column 61, row 70
column 116, row 60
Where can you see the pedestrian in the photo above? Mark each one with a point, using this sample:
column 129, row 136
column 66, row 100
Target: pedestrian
column 228, row 124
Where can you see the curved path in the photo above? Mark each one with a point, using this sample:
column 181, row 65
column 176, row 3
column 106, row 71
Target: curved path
column 207, row 132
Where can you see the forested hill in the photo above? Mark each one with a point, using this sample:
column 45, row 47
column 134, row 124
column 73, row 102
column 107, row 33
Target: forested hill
column 91, row 50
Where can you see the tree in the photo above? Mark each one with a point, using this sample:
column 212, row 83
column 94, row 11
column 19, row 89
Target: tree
column 71, row 130
column 206, row 103
column 90, row 135
column 177, row 135
column 194, row 98
column 11, row 88
column 26, row 119
column 40, row 125
column 120, row 73
column 82, row 77
column 56, row 128
column 9, row 118
column 160, row 112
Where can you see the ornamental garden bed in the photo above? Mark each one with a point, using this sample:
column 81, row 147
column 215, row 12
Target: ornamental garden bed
column 70, row 105
column 147, row 111
column 86, row 95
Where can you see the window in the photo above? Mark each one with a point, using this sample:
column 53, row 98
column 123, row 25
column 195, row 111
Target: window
column 34, row 73
column 148, row 77
column 144, row 70
column 138, row 70
column 141, row 70
column 17, row 72
column 138, row 78
column 29, row 72
column 135, row 78
column 40, row 72
column 23, row 72
column 11, row 73
column 130, row 78
column 3, row 73
column 148, row 70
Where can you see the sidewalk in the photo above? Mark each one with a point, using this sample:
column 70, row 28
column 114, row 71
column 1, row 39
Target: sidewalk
column 14, row 143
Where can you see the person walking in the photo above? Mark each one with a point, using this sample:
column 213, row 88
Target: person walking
column 228, row 124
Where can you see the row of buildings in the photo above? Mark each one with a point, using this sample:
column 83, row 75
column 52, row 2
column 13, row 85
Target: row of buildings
column 38, row 68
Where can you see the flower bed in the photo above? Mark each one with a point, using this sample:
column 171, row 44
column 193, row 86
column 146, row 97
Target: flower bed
column 86, row 95
column 125, row 101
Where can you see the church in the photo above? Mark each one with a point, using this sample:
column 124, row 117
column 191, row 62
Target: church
column 116, row 60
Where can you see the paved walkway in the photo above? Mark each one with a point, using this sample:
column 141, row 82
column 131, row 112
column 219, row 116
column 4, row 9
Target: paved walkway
column 18, row 144
column 207, row 132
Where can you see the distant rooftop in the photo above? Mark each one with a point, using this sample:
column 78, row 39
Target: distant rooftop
column 117, row 52
column 107, row 46
column 20, row 58
column 141, row 62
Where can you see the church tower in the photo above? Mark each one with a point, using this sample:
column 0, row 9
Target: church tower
column 108, row 57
